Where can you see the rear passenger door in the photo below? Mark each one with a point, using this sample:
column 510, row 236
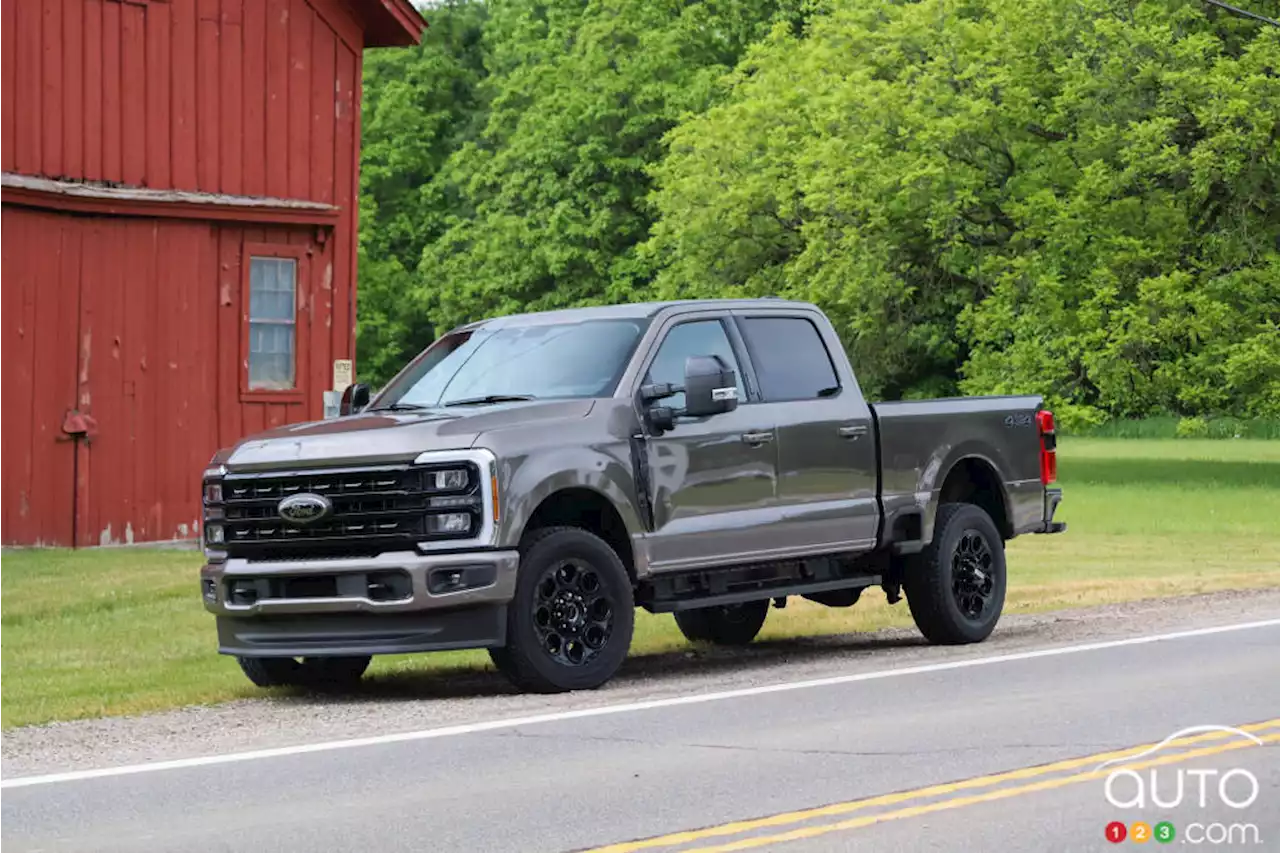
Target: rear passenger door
column 713, row 479
column 826, row 441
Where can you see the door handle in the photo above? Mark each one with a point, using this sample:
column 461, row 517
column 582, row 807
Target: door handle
column 854, row 431
column 757, row 437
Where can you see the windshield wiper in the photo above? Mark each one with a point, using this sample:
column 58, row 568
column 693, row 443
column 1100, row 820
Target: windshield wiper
column 490, row 398
column 399, row 407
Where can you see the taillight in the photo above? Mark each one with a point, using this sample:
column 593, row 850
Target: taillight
column 1048, row 447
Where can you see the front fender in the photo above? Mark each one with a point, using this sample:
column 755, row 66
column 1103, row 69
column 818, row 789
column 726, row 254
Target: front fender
column 526, row 481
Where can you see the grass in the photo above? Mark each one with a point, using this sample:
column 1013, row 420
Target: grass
column 111, row 632
column 1169, row 426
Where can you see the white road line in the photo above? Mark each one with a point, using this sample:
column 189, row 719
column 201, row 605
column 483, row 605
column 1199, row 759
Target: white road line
column 630, row 707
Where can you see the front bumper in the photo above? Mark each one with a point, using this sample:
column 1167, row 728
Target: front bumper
column 344, row 606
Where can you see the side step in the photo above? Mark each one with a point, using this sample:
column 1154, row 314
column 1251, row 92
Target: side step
column 688, row 590
column 672, row 605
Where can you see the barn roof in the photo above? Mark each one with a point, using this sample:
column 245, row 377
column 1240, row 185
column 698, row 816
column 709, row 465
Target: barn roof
column 390, row 23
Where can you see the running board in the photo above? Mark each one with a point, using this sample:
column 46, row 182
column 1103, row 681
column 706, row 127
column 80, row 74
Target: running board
column 760, row 594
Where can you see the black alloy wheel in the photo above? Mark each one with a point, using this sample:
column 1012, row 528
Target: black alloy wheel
column 956, row 586
column 570, row 621
column 972, row 580
column 572, row 612
column 724, row 625
column 321, row 674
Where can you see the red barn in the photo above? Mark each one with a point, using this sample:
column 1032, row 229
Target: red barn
column 180, row 181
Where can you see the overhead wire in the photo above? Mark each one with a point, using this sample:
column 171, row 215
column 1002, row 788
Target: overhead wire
column 1244, row 13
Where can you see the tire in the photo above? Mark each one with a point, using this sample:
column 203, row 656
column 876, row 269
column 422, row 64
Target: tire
column 570, row 622
column 726, row 625
column 315, row 673
column 956, row 586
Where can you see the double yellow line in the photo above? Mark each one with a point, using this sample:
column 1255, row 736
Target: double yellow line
column 1020, row 776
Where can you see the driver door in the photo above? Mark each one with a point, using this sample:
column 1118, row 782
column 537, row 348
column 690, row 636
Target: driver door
column 714, row 479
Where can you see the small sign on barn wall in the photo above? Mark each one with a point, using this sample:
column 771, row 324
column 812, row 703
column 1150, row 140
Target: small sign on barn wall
column 341, row 373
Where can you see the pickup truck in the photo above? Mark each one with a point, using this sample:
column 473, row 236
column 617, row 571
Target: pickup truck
column 527, row 481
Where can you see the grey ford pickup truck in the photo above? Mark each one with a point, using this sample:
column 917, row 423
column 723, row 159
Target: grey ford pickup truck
column 526, row 482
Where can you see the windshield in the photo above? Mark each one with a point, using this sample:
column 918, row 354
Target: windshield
column 558, row 360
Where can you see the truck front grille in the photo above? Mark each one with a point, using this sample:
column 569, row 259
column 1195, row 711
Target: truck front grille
column 373, row 510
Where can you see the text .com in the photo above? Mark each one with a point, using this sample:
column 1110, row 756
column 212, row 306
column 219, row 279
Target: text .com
column 1165, row 832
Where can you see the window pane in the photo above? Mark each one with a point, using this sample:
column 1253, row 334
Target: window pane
column 272, row 323
column 702, row 337
column 553, row 360
column 272, row 288
column 791, row 361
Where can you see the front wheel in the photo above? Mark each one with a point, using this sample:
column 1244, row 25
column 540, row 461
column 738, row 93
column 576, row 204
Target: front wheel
column 317, row 673
column 569, row 625
column 724, row 625
column 955, row 587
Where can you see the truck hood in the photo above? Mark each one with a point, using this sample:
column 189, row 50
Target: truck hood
column 388, row 437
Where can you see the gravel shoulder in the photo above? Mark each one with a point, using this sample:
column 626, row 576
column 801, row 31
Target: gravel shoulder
column 412, row 702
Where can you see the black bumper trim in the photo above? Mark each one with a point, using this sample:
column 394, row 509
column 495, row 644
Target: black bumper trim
column 337, row 634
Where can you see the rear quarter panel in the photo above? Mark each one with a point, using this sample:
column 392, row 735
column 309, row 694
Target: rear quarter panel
column 921, row 442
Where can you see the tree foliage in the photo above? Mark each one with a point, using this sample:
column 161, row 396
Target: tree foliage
column 553, row 191
column 420, row 106
column 1070, row 197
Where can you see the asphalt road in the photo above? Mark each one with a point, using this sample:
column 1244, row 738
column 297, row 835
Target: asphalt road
column 924, row 734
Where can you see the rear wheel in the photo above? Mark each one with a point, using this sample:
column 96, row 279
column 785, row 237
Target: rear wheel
column 955, row 587
column 569, row 625
column 317, row 673
column 724, row 625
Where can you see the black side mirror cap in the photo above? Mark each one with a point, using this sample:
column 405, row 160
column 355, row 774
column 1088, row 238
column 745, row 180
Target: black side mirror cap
column 710, row 387
column 354, row 399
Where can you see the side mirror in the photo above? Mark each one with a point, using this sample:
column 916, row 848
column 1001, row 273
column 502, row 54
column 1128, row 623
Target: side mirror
column 710, row 387
column 354, row 399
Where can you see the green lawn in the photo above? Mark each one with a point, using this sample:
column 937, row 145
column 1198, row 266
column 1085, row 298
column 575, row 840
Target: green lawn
column 110, row 632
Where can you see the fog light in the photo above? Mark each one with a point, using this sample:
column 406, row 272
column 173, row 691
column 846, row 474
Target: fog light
column 209, row 589
column 449, row 522
column 243, row 592
column 456, row 579
column 449, row 480
column 213, row 534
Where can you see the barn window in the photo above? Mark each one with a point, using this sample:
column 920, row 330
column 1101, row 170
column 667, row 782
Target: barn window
column 273, row 323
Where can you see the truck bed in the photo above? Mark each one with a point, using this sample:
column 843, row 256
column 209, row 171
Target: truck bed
column 919, row 440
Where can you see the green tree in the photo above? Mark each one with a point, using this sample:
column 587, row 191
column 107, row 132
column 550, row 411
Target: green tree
column 1073, row 198
column 551, row 197
column 420, row 106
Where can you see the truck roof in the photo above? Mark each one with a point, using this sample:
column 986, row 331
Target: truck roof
column 634, row 310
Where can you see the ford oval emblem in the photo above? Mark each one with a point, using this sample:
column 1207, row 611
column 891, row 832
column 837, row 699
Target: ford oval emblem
column 304, row 509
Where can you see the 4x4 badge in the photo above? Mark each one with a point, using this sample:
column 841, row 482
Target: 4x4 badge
column 304, row 509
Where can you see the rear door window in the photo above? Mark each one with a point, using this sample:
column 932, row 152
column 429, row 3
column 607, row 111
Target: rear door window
column 790, row 359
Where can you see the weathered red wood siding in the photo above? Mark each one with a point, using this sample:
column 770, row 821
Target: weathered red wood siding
column 183, row 94
column 138, row 321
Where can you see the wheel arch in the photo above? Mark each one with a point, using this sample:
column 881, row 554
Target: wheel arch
column 974, row 479
column 589, row 509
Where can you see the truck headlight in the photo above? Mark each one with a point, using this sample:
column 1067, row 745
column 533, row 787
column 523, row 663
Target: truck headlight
column 213, row 493
column 213, row 534
column 458, row 493
column 448, row 479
